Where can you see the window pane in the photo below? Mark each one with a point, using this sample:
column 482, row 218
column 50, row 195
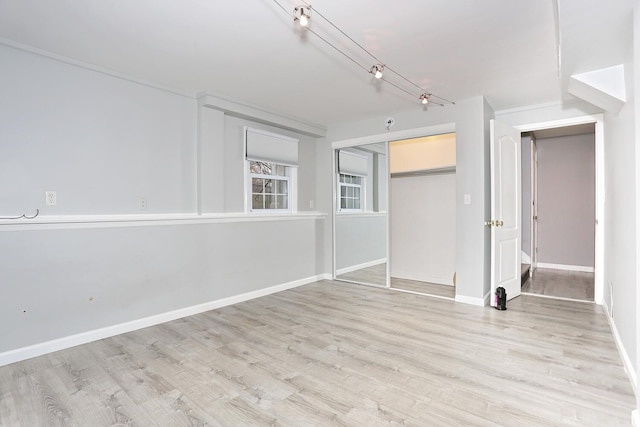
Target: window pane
column 279, row 170
column 350, row 204
column 350, row 191
column 281, row 187
column 257, row 202
column 356, row 192
column 282, row 202
column 269, row 202
column 257, row 185
column 356, row 203
column 268, row 186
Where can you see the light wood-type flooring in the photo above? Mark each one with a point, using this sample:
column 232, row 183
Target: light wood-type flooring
column 562, row 284
column 377, row 275
column 332, row 353
column 432, row 289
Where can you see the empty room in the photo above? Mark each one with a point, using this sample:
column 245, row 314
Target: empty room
column 205, row 221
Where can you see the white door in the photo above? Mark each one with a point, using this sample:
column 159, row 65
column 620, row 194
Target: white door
column 534, row 207
column 506, row 199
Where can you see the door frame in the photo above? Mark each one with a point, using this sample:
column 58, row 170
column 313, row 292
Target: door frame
column 373, row 139
column 598, row 120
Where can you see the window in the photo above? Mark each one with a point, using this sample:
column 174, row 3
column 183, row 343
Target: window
column 271, row 167
column 270, row 187
column 351, row 195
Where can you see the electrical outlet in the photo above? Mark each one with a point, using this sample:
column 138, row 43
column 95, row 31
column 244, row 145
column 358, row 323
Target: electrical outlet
column 51, row 198
column 142, row 203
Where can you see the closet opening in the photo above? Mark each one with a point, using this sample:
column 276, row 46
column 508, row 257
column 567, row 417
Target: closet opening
column 422, row 212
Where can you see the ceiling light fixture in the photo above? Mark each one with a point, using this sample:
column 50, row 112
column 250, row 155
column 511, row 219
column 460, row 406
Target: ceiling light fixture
column 377, row 70
column 302, row 14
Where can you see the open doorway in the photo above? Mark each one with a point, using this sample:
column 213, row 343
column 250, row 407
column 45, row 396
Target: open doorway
column 559, row 212
column 422, row 207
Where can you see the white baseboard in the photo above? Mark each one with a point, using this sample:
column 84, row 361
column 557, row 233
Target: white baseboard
column 39, row 349
column 635, row 418
column 581, row 268
column 628, row 366
column 361, row 266
column 480, row 302
column 526, row 259
column 325, row 276
column 423, row 278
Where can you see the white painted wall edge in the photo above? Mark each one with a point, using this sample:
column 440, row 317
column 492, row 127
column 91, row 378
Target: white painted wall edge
column 635, row 418
column 421, row 293
column 480, row 302
column 359, row 214
column 35, row 350
column 360, row 266
column 438, row 280
column 239, row 109
column 582, row 268
column 92, row 67
column 628, row 366
column 100, row 221
column 395, row 136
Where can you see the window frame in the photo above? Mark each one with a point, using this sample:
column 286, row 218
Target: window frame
column 362, row 193
column 288, row 177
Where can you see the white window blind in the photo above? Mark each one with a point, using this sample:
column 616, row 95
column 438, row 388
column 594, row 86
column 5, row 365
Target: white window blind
column 352, row 164
column 263, row 146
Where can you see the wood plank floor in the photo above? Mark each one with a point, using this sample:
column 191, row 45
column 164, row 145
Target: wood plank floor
column 559, row 283
column 425, row 288
column 332, row 353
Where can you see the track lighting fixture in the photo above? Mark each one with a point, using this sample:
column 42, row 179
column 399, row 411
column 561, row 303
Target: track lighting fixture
column 302, row 14
column 377, row 70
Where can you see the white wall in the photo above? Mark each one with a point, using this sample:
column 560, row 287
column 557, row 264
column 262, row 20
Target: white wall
column 566, row 200
column 620, row 275
column 423, row 228
column 526, row 193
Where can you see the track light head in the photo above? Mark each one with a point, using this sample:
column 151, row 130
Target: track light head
column 377, row 70
column 424, row 98
column 302, row 15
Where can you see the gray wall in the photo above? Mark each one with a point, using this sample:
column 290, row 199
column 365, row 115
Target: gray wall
column 423, row 228
column 360, row 238
column 526, row 194
column 48, row 276
column 473, row 239
column 620, row 273
column 102, row 142
column 566, row 200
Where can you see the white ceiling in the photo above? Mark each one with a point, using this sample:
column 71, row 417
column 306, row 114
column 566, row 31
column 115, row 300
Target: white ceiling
column 253, row 52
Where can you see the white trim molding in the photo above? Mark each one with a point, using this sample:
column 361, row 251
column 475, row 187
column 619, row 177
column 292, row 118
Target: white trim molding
column 102, row 221
column 39, row 349
column 626, row 361
column 360, row 266
column 480, row 302
column 581, row 268
column 635, row 418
